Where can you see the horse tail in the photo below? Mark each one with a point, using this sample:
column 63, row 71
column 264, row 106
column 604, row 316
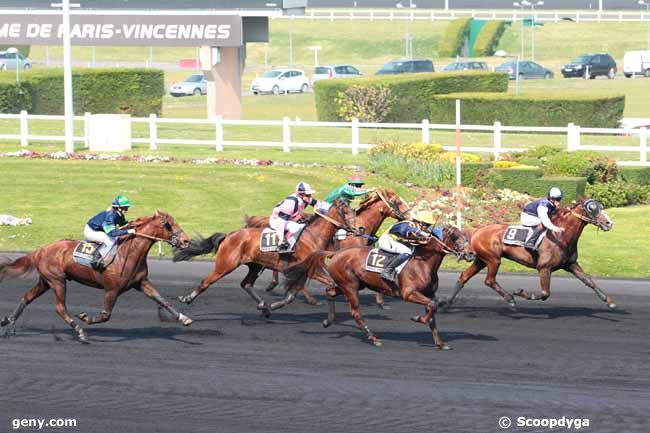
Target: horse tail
column 17, row 268
column 199, row 246
column 313, row 266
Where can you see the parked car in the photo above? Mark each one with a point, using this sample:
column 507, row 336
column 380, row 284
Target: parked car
column 195, row 85
column 636, row 62
column 8, row 61
column 590, row 66
column 334, row 71
column 527, row 70
column 280, row 81
column 406, row 67
column 466, row 65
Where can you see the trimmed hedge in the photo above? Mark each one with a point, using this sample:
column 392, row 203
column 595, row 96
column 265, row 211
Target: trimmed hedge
column 14, row 98
column 469, row 171
column 454, row 37
column 489, row 37
column 530, row 181
column 137, row 92
column 636, row 175
column 600, row 111
column 412, row 93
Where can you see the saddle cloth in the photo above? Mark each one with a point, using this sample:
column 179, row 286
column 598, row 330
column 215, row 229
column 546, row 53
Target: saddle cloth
column 518, row 235
column 269, row 239
column 378, row 258
column 84, row 251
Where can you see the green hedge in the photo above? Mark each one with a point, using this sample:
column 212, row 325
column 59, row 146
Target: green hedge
column 137, row 92
column 530, row 110
column 14, row 98
column 636, row 175
column 530, row 181
column 454, row 37
column 469, row 171
column 489, row 37
column 412, row 93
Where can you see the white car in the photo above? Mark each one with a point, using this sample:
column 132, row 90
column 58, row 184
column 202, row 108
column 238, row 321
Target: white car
column 195, row 85
column 281, row 81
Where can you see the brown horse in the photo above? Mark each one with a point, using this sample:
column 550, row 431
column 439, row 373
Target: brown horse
column 371, row 213
column 55, row 264
column 418, row 281
column 243, row 247
column 555, row 252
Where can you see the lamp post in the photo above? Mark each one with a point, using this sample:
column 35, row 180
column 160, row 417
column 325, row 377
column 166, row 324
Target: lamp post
column 315, row 49
column 409, row 36
column 532, row 31
column 647, row 11
column 521, row 5
column 14, row 51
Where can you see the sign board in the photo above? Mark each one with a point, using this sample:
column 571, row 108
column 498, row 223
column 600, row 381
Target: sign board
column 110, row 133
column 123, row 30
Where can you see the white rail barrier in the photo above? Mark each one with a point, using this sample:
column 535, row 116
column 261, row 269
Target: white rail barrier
column 573, row 133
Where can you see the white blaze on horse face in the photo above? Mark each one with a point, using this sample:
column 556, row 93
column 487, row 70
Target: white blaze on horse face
column 609, row 223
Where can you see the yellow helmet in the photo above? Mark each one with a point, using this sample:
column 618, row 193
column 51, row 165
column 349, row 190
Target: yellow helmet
column 425, row 216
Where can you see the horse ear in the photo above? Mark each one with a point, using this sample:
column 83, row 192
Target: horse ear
column 157, row 214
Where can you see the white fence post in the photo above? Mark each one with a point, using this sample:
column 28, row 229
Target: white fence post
column 87, row 119
column 497, row 140
column 218, row 132
column 570, row 137
column 576, row 140
column 24, row 129
column 286, row 135
column 153, row 132
column 643, row 146
column 355, row 136
column 426, row 138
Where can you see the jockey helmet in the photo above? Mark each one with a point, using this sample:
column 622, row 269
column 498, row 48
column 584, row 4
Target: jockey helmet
column 304, row 188
column 555, row 193
column 356, row 180
column 425, row 216
column 121, row 201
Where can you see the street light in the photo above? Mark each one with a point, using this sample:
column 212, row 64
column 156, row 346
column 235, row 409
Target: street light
column 532, row 34
column 409, row 36
column 503, row 54
column 521, row 5
column 647, row 10
column 14, row 51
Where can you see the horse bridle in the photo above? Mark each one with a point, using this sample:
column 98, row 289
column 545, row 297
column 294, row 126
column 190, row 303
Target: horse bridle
column 174, row 241
column 345, row 225
column 591, row 220
column 395, row 207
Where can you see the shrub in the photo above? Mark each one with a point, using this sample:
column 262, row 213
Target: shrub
column 14, row 98
column 422, row 173
column 619, row 193
column 637, row 175
column 454, row 38
column 368, row 104
column 489, row 37
column 592, row 165
column 600, row 111
column 472, row 172
column 541, row 152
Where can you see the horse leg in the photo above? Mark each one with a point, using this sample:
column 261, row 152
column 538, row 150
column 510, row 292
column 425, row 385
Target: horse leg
column 430, row 306
column 308, row 296
column 110, row 297
column 221, row 269
column 29, row 296
column 254, row 270
column 473, row 269
column 274, row 282
column 580, row 274
column 59, row 299
column 331, row 293
column 545, row 282
column 491, row 281
column 353, row 299
column 289, row 297
column 151, row 293
column 379, row 300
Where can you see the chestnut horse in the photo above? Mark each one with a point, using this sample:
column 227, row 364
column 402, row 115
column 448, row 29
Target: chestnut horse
column 243, row 247
column 54, row 264
column 371, row 213
column 418, row 281
column 555, row 252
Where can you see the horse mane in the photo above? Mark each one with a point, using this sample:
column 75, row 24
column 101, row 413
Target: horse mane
column 369, row 200
column 564, row 211
column 142, row 220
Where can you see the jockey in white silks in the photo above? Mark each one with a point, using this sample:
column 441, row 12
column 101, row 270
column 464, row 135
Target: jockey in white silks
column 288, row 212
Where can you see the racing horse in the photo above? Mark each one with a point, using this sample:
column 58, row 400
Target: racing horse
column 371, row 213
column 54, row 264
column 243, row 247
column 345, row 271
column 555, row 252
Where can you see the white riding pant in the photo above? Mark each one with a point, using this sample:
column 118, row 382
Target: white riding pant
column 102, row 238
column 280, row 226
column 529, row 220
column 387, row 243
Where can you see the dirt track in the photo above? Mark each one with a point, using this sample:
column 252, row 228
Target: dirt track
column 232, row 371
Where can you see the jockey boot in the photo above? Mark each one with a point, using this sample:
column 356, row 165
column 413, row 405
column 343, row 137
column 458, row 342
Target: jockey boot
column 97, row 261
column 530, row 243
column 284, row 247
column 389, row 273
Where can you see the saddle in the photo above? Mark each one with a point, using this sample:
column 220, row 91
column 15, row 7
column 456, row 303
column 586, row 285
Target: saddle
column 378, row 258
column 269, row 241
column 84, row 252
column 518, row 235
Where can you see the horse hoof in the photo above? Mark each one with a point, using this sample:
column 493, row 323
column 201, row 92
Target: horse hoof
column 83, row 316
column 4, row 322
column 443, row 346
column 186, row 321
column 272, row 286
column 326, row 323
column 612, row 305
column 83, row 338
column 314, row 302
column 376, row 342
column 416, row 319
column 383, row 306
column 184, row 299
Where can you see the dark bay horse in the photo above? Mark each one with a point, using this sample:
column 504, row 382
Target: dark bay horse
column 54, row 264
column 418, row 281
column 371, row 213
column 555, row 252
column 243, row 247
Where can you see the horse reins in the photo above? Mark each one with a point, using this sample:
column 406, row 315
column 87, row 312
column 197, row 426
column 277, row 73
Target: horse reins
column 584, row 218
column 344, row 226
column 398, row 213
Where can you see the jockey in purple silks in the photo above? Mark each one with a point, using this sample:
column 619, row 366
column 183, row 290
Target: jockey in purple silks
column 288, row 212
column 538, row 214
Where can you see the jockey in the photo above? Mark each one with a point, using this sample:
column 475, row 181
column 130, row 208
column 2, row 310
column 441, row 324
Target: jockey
column 354, row 188
column 538, row 214
column 290, row 210
column 400, row 238
column 104, row 229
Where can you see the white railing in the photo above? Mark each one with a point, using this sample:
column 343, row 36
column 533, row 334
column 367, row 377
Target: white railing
column 441, row 14
column 573, row 134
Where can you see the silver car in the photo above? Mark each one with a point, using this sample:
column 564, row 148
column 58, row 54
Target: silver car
column 10, row 60
column 195, row 85
column 334, row 71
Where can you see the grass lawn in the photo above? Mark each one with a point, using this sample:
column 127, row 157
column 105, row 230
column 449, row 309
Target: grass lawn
column 60, row 196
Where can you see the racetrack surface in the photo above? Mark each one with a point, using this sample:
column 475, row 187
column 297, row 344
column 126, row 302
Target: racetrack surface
column 233, row 371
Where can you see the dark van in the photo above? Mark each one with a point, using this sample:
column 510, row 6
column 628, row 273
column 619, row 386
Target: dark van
column 406, row 67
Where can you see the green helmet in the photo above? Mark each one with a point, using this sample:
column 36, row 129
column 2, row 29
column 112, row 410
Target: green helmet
column 121, row 201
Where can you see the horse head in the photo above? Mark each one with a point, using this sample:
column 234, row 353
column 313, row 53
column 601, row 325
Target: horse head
column 456, row 240
column 399, row 209
column 343, row 214
column 163, row 226
column 592, row 212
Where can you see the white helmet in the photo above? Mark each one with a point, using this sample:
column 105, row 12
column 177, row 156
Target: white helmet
column 304, row 188
column 555, row 192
